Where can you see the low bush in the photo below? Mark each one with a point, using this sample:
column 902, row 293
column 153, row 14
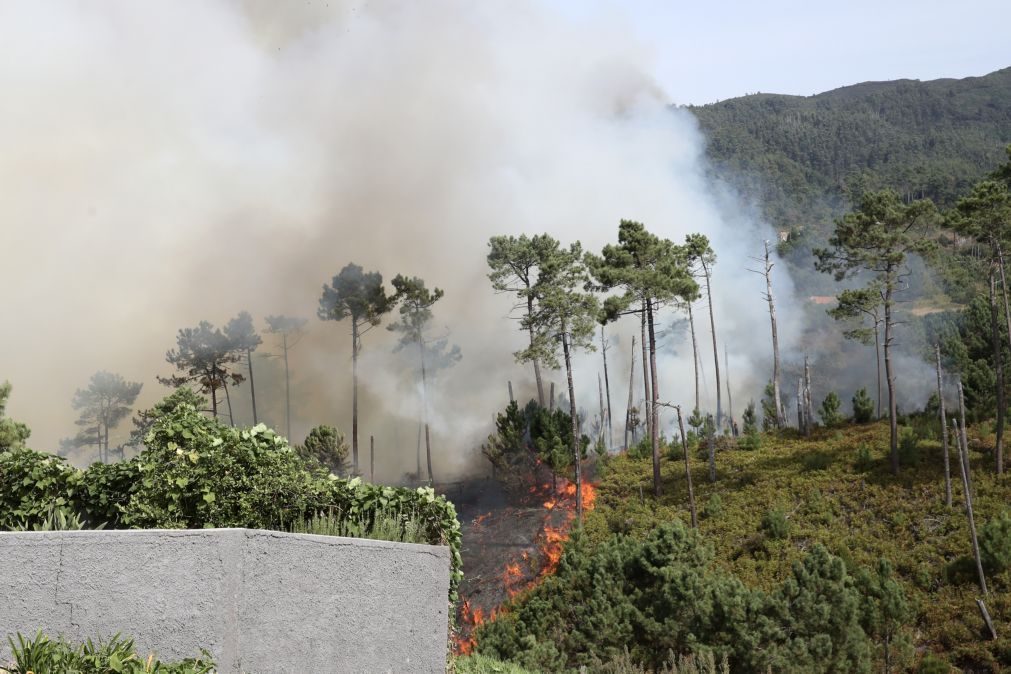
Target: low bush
column 995, row 543
column 40, row 655
column 775, row 525
column 197, row 473
column 829, row 411
column 863, row 407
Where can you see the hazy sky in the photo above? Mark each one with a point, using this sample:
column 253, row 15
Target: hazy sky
column 709, row 51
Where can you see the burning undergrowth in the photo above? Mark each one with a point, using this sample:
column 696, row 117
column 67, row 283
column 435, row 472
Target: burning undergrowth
column 511, row 541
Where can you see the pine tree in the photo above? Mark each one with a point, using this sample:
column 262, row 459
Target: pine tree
column 877, row 239
column 242, row 334
column 105, row 403
column 360, row 296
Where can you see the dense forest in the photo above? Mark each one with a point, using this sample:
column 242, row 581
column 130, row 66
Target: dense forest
column 805, row 160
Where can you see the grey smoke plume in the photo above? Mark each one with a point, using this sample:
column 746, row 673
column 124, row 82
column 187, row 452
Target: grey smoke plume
column 165, row 163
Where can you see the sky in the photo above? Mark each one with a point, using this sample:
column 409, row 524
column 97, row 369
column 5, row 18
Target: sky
column 704, row 52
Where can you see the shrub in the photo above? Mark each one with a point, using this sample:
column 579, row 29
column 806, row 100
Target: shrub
column 32, row 484
column 326, row 446
column 864, row 459
column 931, row 664
column 664, row 594
column 829, row 411
column 909, row 447
column 863, row 407
column 751, row 440
column 43, row 656
column 817, row 461
column 775, row 525
column 713, row 507
column 995, row 543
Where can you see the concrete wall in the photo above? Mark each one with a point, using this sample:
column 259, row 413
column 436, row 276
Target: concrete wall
column 260, row 601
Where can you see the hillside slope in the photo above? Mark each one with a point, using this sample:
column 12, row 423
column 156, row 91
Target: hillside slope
column 802, row 158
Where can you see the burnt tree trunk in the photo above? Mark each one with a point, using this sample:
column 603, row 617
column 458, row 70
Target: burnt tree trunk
column 228, row 399
column 944, row 429
column 711, row 441
column 428, row 455
column 730, row 397
column 877, row 358
column 372, row 459
column 287, row 387
column 603, row 410
column 688, row 469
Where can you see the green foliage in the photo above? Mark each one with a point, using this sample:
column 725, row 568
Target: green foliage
column 12, row 433
column 817, row 460
column 60, row 518
column 325, row 446
column 864, row 458
column 102, row 406
column 713, row 507
column 31, row 484
column 931, row 664
column 689, row 663
column 863, row 407
column 909, row 446
column 482, row 664
column 118, row 655
column 775, row 525
column 995, row 543
column 829, row 411
column 885, row 608
column 751, row 439
column 356, row 294
column 805, row 158
column 206, row 357
column 385, row 524
column 663, row 594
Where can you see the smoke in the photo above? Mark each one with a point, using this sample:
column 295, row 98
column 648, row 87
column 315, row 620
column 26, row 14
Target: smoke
column 171, row 162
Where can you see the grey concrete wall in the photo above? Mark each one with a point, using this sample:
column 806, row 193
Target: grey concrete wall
column 260, row 601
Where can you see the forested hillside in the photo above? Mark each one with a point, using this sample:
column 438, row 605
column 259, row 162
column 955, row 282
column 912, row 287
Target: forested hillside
column 805, row 160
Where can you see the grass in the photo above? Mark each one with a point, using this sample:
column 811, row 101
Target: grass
column 386, row 525
column 835, row 488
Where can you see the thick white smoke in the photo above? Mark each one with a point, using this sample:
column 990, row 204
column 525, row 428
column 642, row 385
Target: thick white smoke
column 165, row 163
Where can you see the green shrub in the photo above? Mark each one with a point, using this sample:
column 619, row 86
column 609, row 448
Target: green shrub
column 909, row 447
column 829, row 411
column 32, row 484
column 713, row 507
column 664, row 594
column 817, row 460
column 775, row 525
column 750, row 440
column 995, row 543
column 385, row 525
column 931, row 664
column 43, row 656
column 326, row 446
column 863, row 407
column 864, row 459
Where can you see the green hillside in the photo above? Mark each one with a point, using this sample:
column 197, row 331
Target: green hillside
column 803, row 158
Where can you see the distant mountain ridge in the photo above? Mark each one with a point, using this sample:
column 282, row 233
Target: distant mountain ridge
column 803, row 158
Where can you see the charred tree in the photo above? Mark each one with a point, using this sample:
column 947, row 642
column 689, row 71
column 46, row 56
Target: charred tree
column 944, row 429
column 777, row 398
column 688, row 469
column 963, row 463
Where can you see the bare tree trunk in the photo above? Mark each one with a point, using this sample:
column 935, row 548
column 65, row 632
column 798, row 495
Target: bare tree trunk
column 877, row 357
column 776, row 394
column 287, row 387
column 654, row 417
column 428, row 455
column 716, row 353
column 511, row 398
column 800, row 405
column 252, row 385
column 688, row 469
column 607, row 388
column 603, row 410
column 711, row 443
column 944, row 429
column 645, row 374
column 999, row 371
column 808, row 408
column 372, row 459
column 354, row 395
column 228, row 399
column 695, row 353
column 576, row 454
column 418, row 449
column 1003, row 288
column 730, row 397
column 551, row 403
column 537, row 365
column 631, row 384
column 967, row 486
column 893, row 419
